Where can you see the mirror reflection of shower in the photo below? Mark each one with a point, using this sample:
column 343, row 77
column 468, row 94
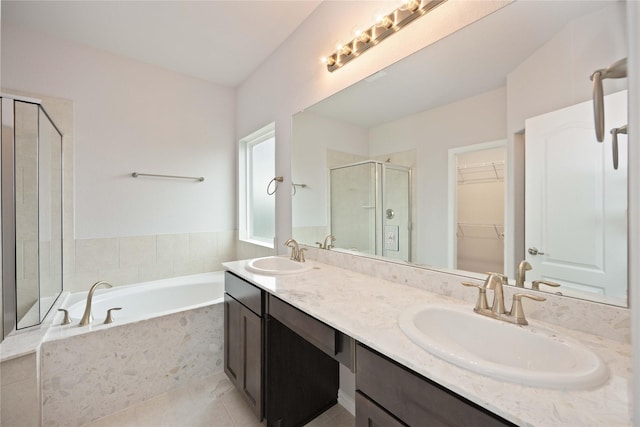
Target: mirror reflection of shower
column 31, row 213
column 371, row 208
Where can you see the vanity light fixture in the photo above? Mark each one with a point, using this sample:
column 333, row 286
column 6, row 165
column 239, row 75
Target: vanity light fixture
column 384, row 27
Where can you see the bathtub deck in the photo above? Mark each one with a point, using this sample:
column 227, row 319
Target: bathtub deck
column 205, row 402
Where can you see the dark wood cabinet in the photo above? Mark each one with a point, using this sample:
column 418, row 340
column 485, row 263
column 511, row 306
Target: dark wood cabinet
column 287, row 371
column 285, row 364
column 368, row 414
column 411, row 398
column 243, row 341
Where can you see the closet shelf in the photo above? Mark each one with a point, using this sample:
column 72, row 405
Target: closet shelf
column 481, row 172
column 480, row 230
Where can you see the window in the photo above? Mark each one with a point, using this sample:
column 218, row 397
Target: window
column 257, row 221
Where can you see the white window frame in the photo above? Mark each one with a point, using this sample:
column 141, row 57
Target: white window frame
column 245, row 190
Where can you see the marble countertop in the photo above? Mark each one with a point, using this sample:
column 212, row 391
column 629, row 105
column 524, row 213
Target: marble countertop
column 367, row 308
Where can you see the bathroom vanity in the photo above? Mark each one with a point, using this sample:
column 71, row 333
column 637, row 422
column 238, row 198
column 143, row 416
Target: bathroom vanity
column 302, row 325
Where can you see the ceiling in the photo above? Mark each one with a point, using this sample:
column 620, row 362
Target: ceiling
column 219, row 41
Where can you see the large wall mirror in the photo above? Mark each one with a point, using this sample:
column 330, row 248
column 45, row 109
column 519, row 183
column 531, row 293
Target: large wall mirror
column 479, row 152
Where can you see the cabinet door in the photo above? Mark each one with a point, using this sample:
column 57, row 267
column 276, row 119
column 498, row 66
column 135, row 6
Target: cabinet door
column 368, row 414
column 233, row 360
column 243, row 351
column 251, row 335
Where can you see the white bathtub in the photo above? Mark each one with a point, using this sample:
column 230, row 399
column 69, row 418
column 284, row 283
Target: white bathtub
column 150, row 299
column 169, row 332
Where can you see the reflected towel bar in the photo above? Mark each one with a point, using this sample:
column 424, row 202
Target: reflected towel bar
column 197, row 178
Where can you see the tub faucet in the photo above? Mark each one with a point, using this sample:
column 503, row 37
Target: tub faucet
column 86, row 317
column 523, row 267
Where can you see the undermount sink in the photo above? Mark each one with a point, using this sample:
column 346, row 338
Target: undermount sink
column 525, row 355
column 275, row 265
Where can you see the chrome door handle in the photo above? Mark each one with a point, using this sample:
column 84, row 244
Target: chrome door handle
column 534, row 251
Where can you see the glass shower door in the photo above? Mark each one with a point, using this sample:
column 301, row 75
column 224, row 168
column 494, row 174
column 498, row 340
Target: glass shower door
column 396, row 212
column 353, row 192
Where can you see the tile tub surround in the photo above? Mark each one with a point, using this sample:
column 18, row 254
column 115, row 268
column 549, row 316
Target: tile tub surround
column 367, row 307
column 19, row 404
column 88, row 376
column 607, row 321
column 135, row 259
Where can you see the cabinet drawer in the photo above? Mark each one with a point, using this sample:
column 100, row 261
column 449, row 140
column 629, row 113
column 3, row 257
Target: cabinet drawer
column 309, row 328
column 247, row 294
column 413, row 399
column 368, row 414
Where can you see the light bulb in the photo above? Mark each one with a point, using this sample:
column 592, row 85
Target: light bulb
column 386, row 22
column 364, row 37
column 412, row 5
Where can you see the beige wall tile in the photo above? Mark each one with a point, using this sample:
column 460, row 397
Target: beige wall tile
column 172, row 247
column 155, row 271
column 95, row 254
column 193, row 266
column 227, row 244
column 120, row 276
column 203, row 245
column 137, row 250
column 80, row 281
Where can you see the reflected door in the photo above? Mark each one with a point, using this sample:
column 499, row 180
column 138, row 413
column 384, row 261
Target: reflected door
column 576, row 202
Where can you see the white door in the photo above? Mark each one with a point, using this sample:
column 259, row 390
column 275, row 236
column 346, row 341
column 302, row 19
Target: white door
column 576, row 203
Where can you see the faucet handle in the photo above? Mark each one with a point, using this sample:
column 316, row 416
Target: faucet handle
column 481, row 302
column 535, row 285
column 66, row 319
column 517, row 311
column 109, row 318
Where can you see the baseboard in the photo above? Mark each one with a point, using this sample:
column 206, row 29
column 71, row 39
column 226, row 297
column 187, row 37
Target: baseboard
column 347, row 402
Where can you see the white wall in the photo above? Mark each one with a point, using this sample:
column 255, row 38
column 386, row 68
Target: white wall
column 130, row 116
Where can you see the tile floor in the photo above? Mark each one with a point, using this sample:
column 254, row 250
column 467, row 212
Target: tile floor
column 210, row 402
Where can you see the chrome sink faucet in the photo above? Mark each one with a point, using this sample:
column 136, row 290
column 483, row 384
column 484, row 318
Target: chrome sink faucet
column 297, row 253
column 86, row 317
column 495, row 282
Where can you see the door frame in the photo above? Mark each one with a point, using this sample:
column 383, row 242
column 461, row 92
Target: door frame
column 452, row 195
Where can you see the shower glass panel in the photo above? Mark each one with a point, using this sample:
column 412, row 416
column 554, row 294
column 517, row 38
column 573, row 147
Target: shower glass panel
column 32, row 198
column 50, row 212
column 26, row 208
column 371, row 208
column 353, row 206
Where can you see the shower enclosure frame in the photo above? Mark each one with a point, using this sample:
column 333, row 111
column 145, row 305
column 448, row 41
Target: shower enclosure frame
column 379, row 181
column 8, row 211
